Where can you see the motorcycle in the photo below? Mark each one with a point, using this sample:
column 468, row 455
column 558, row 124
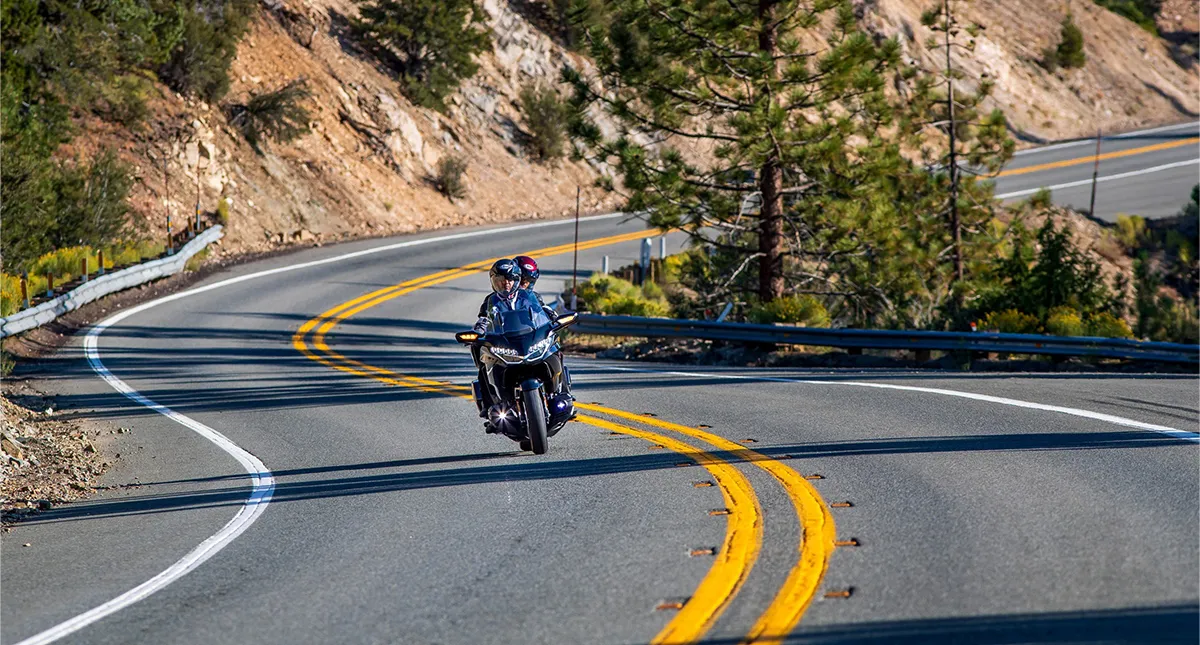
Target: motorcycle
column 527, row 384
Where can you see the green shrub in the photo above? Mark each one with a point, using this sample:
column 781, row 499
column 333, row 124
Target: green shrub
column 431, row 43
column 802, row 309
column 276, row 115
column 208, row 34
column 1065, row 321
column 1130, row 230
column 1043, row 198
column 546, row 117
column 1141, row 12
column 611, row 295
column 1106, row 325
column 1069, row 52
column 1009, row 321
column 449, row 179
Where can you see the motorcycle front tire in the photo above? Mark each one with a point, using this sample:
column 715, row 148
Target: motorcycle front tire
column 535, row 417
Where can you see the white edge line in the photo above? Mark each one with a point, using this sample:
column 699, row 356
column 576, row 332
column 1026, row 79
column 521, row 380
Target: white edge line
column 1076, row 412
column 1092, row 141
column 1085, row 182
column 262, row 480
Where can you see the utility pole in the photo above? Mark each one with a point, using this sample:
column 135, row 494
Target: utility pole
column 1095, row 175
column 575, row 263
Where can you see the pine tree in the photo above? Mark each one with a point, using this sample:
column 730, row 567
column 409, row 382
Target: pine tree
column 773, row 114
column 966, row 140
column 431, row 43
column 1069, row 52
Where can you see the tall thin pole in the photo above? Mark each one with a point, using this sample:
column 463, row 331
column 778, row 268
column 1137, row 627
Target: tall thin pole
column 1095, row 174
column 575, row 264
column 958, row 262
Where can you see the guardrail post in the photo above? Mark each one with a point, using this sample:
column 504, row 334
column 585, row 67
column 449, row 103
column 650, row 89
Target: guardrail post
column 100, row 262
column 49, row 285
column 170, row 241
column 662, row 247
column 25, row 290
column 83, row 267
column 604, row 266
column 854, row 351
column 922, row 355
column 645, row 263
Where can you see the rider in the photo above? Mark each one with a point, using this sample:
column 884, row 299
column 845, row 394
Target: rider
column 529, row 277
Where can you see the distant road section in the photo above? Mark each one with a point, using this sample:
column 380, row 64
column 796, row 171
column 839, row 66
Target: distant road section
column 1148, row 172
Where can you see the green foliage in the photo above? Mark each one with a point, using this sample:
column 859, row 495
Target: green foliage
column 611, row 295
column 1069, row 53
column 1159, row 316
column 1141, row 12
column 430, row 43
column 576, row 17
column 209, row 31
column 277, row 115
column 65, row 265
column 1065, row 321
column 64, row 57
column 1009, row 321
column 546, row 116
column 1056, row 274
column 1043, row 198
column 1130, row 231
column 449, row 179
column 804, row 310
column 223, row 211
column 1106, row 325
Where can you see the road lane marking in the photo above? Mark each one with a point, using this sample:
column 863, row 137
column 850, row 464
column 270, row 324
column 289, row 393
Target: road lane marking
column 816, row 523
column 743, row 539
column 1076, row 412
column 1115, row 137
column 743, row 528
column 260, row 495
column 262, row 486
column 1100, row 180
column 1116, row 154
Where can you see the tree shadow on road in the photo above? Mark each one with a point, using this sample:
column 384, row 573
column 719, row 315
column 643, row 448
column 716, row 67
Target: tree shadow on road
column 1172, row 623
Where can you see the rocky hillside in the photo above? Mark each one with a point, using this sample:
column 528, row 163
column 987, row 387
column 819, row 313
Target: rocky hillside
column 1132, row 78
column 365, row 167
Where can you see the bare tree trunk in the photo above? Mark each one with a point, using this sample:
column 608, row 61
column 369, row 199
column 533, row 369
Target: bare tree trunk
column 954, row 224
column 770, row 180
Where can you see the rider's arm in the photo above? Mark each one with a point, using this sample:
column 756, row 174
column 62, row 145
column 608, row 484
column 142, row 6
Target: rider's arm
column 481, row 325
column 550, row 312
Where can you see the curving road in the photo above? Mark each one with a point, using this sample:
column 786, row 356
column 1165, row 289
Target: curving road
column 870, row 507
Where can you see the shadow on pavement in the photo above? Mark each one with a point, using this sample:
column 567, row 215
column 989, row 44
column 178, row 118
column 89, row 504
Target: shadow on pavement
column 1134, row 625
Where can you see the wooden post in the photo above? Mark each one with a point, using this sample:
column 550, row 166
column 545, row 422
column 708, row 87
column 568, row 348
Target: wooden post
column 100, row 262
column 25, row 290
column 83, row 268
column 49, row 285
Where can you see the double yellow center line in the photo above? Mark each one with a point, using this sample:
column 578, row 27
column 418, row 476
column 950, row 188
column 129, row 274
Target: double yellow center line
column 744, row 529
column 1116, row 154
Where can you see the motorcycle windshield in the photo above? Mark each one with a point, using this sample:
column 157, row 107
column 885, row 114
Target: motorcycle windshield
column 520, row 329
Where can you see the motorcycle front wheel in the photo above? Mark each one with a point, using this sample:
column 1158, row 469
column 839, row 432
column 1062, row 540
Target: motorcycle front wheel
column 535, row 416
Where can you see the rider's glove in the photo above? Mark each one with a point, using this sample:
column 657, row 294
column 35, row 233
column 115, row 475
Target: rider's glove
column 481, row 325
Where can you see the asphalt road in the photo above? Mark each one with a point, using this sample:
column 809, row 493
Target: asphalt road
column 395, row 519
column 1149, row 173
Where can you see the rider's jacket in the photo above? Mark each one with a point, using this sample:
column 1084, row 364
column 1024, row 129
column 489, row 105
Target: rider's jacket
column 521, row 299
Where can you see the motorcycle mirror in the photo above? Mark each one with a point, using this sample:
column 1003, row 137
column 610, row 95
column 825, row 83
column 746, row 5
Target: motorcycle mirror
column 467, row 336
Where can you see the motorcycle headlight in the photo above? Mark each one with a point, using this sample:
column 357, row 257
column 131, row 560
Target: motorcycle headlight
column 540, row 346
column 504, row 351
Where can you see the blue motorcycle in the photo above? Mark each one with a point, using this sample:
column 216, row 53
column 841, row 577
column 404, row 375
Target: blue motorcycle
column 526, row 395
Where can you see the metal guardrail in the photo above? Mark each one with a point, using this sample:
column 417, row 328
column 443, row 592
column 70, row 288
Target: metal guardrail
column 888, row 339
column 111, row 283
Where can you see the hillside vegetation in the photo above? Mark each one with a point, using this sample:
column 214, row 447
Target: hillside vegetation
column 314, row 120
